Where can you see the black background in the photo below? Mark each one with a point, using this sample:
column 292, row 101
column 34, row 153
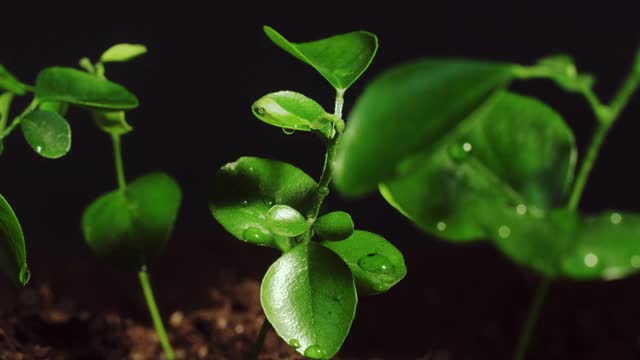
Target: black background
column 206, row 66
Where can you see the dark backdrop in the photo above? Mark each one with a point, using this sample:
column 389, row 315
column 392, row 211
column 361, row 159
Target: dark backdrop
column 204, row 69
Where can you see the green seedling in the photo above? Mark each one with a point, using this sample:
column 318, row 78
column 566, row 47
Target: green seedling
column 479, row 162
column 309, row 295
column 127, row 227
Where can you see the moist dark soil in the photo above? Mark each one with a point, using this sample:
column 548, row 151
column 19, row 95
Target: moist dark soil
column 447, row 308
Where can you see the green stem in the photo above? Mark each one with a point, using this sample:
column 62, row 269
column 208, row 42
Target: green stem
column 257, row 347
column 16, row 121
column 607, row 116
column 532, row 319
column 155, row 314
column 117, row 154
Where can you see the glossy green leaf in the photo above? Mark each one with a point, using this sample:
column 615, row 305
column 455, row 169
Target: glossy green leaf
column 286, row 221
column 243, row 192
column 5, row 107
column 80, row 88
column 123, row 52
column 376, row 264
column 309, row 297
column 13, row 257
column 340, row 59
column 9, row 83
column 406, row 111
column 129, row 228
column 516, row 151
column 289, row 110
column 47, row 133
column 112, row 122
column 59, row 108
column 334, row 226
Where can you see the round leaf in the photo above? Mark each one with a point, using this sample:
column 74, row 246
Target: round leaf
column 376, row 264
column 288, row 110
column 515, row 151
column 243, row 191
column 286, row 221
column 13, row 257
column 129, row 228
column 336, row 225
column 406, row 111
column 340, row 59
column 80, row 88
column 9, row 83
column 47, row 133
column 309, row 297
column 123, row 52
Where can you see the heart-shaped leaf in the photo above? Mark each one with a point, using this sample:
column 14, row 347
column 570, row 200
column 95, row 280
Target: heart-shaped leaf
column 9, row 82
column 516, row 151
column 243, row 192
column 404, row 112
column 80, row 88
column 290, row 110
column 376, row 264
column 334, row 226
column 123, row 52
column 309, row 297
column 13, row 257
column 47, row 133
column 129, row 228
column 340, row 59
column 286, row 221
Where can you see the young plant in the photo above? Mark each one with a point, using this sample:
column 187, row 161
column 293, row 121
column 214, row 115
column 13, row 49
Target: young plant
column 127, row 227
column 479, row 162
column 309, row 295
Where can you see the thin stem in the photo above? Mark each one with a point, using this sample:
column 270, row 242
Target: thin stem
column 325, row 177
column 532, row 319
column 155, row 314
column 257, row 347
column 621, row 99
column 587, row 165
column 117, row 154
column 16, row 121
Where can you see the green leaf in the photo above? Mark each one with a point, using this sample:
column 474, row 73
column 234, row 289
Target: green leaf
column 286, row 221
column 112, row 122
column 516, row 152
column 9, row 83
column 340, row 59
column 79, row 88
column 47, row 133
column 376, row 264
column 243, row 192
column 309, row 297
column 404, row 112
column 59, row 108
column 123, row 52
column 290, row 110
column 5, row 107
column 13, row 257
column 129, row 228
column 334, row 226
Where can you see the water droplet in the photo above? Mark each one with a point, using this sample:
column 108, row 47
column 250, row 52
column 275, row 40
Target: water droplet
column 441, row 226
column 615, row 218
column 376, row 263
column 635, row 261
column 245, row 203
column 591, row 260
column 521, row 209
column 268, row 202
column 460, row 152
column 256, row 236
column 288, row 131
column 294, row 343
column 39, row 149
column 504, row 231
column 314, row 352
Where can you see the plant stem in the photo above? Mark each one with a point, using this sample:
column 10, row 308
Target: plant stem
column 325, row 177
column 607, row 116
column 257, row 347
column 117, row 154
column 155, row 314
column 16, row 121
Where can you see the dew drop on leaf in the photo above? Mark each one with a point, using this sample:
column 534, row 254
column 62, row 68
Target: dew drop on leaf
column 314, row 352
column 441, row 226
column 245, row 203
column 460, row 152
column 504, row 231
column 294, row 343
column 615, row 218
column 256, row 236
column 521, row 209
column 376, row 263
column 591, row 260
